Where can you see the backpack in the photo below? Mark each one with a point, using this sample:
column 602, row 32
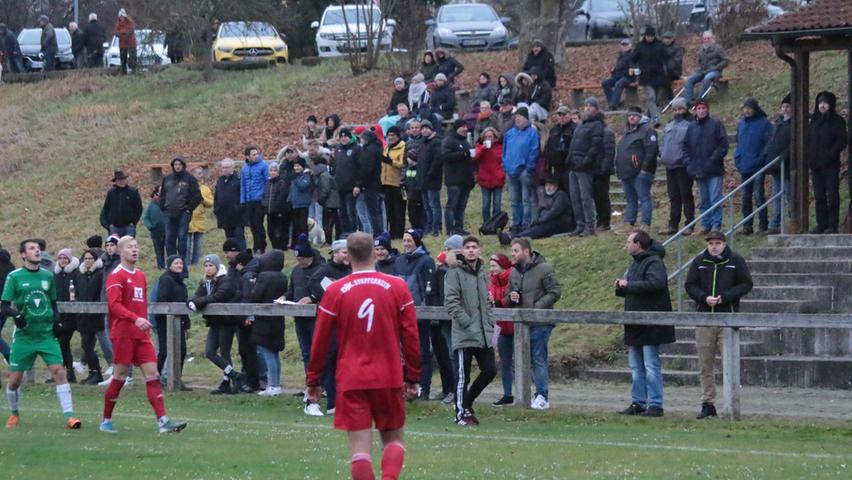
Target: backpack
column 607, row 165
column 494, row 224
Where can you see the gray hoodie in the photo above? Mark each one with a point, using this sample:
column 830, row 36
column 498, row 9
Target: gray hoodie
column 673, row 144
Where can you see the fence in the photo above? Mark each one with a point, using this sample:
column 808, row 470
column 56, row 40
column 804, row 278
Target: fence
column 524, row 318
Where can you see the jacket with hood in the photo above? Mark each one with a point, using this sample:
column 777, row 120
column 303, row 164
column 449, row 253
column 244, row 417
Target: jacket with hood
column 226, row 202
column 328, row 137
column 171, row 288
column 271, row 283
column 388, row 265
column 673, row 143
column 485, row 93
column 275, row 194
column 651, row 59
column 393, row 159
column 88, row 289
column 122, row 207
column 429, row 70
column 753, row 134
column 435, row 296
column 217, row 290
column 537, row 283
column 541, row 93
column 419, row 97
column 329, row 271
column 326, row 187
column 154, row 221
column 647, row 290
column 430, row 167
column 417, row 269
column 544, row 63
column 198, row 222
column 6, row 267
column 637, row 151
column 300, row 278
column 345, row 166
column 827, row 135
column 779, row 145
column 368, row 173
column 490, row 162
column 448, row 65
column 458, row 166
column 523, row 88
column 587, row 149
column 253, row 180
column 674, row 61
column 301, row 191
column 727, row 276
column 397, row 97
column 62, row 279
column 125, row 30
column 712, row 57
column 521, row 149
column 553, row 209
column 498, row 288
column 507, row 92
column 179, row 192
column 505, row 121
column 444, row 101
column 467, row 302
column 556, row 148
column 706, row 147
column 9, row 45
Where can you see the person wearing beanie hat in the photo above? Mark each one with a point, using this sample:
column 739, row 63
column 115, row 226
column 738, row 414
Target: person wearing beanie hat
column 678, row 182
column 521, row 151
column 385, row 254
column 113, row 238
column 712, row 60
column 649, row 62
column 255, row 173
column 171, row 288
column 779, row 146
column 500, row 269
column 308, row 262
column 66, row 279
column 95, row 241
column 448, row 65
column 620, row 75
column 753, row 133
column 635, row 164
column 454, row 242
column 706, row 148
column 541, row 96
column 230, row 245
column 180, row 195
column 591, row 102
column 443, row 98
column 540, row 58
column 243, row 258
column 459, row 175
column 399, row 95
column 125, row 30
column 345, row 170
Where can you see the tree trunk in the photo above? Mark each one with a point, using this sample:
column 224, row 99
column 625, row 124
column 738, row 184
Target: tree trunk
column 544, row 20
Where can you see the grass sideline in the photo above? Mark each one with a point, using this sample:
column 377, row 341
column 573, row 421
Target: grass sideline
column 252, row 437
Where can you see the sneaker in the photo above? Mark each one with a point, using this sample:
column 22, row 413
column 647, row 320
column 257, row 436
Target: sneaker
column 79, row 367
column 688, row 232
column 707, row 410
column 73, row 424
column 106, row 427
column 652, row 412
column 330, row 411
column 504, row 401
column 540, row 403
column 449, row 399
column 588, row 232
column 467, row 418
column 633, row 409
column 94, row 378
column 313, row 410
column 224, row 387
column 172, row 427
column 128, row 382
column 12, row 421
column 576, row 232
column 270, row 392
column 108, row 371
column 105, row 382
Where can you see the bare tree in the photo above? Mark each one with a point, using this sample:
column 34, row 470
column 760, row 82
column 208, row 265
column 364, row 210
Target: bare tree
column 367, row 29
column 545, row 20
column 409, row 35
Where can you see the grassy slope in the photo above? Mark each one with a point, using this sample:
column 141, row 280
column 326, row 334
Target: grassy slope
column 269, row 438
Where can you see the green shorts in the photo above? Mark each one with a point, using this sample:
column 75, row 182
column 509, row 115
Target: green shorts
column 25, row 350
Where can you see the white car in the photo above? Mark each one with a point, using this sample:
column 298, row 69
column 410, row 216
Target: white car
column 150, row 50
column 332, row 37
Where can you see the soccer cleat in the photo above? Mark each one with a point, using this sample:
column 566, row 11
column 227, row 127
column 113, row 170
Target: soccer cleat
column 330, row 411
column 73, row 424
column 13, row 420
column 313, row 410
column 128, row 382
column 172, row 427
column 106, row 427
column 540, row 403
column 106, row 381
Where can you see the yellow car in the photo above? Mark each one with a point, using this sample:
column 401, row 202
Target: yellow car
column 249, row 41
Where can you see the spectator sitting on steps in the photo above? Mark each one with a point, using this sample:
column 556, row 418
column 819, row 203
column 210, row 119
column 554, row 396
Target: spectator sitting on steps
column 553, row 216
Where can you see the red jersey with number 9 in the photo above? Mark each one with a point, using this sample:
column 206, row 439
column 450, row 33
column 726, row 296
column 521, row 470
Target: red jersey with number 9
column 127, row 300
column 370, row 314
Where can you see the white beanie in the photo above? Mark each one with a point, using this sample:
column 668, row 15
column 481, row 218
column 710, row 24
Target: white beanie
column 93, row 17
column 122, row 13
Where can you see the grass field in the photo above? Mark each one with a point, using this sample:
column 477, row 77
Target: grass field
column 251, row 437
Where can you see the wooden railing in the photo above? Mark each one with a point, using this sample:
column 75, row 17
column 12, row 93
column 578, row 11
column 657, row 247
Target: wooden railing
column 524, row 318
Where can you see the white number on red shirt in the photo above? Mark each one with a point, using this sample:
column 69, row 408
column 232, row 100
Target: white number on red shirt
column 367, row 310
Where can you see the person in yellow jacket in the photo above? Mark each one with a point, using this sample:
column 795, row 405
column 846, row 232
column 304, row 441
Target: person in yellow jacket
column 198, row 223
column 392, row 163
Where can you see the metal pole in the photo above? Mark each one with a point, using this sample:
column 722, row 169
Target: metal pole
column 783, row 190
column 733, row 221
column 77, row 11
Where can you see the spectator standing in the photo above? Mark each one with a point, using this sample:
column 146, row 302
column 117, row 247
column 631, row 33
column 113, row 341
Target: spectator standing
column 827, row 138
column 122, row 207
column 753, row 133
column 327, row 198
column 429, row 175
column 49, row 46
column 301, row 192
column 308, row 261
column 88, row 289
column 635, row 166
column 540, row 57
column 556, row 148
column 443, row 103
column 541, row 95
column 393, row 160
column 501, row 270
column 226, row 203
column 584, row 156
column 410, row 185
column 428, row 67
column 779, row 146
column 312, row 130
column 66, row 278
column 78, row 45
column 458, row 176
column 716, row 282
column 441, row 332
column 253, row 179
column 171, row 288
column 650, row 57
column 385, row 254
column 674, row 62
column 485, row 90
column 467, row 302
column 505, row 88
column 345, row 166
column 601, row 181
column 179, row 195
column 278, row 209
column 711, row 62
column 368, row 183
column 673, row 156
column 491, row 176
column 267, row 332
column 11, row 50
column 94, row 39
column 505, row 116
column 552, row 212
column 399, row 95
column 329, row 134
column 620, row 76
column 447, row 65
column 521, row 148
column 175, row 45
column 645, row 288
column 706, row 147
column 533, row 284
column 153, row 220
column 198, row 224
column 125, row 30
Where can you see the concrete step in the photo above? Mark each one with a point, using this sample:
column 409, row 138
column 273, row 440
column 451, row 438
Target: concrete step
column 799, row 279
column 801, row 253
column 801, row 266
column 840, row 240
column 825, row 295
column 748, row 305
column 687, row 334
column 623, row 375
column 683, row 362
column 617, row 204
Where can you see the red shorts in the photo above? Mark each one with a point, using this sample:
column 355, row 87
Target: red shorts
column 358, row 409
column 133, row 351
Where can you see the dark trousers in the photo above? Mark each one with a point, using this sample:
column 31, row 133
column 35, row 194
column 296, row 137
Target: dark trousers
column 826, row 184
column 331, row 224
column 220, row 338
column 64, row 339
column 754, row 193
column 177, row 234
column 248, row 356
column 395, row 207
column 15, row 64
column 327, row 379
column 442, row 356
column 487, row 371
column 679, row 187
column 613, row 87
column 128, row 59
column 278, row 226
column 160, row 251
column 456, row 205
column 414, row 203
column 432, row 341
column 603, row 206
column 300, row 223
column 305, row 336
column 87, row 342
column 49, row 61
column 348, row 214
column 255, row 213
column 96, row 58
column 546, row 230
column 238, row 234
column 162, row 342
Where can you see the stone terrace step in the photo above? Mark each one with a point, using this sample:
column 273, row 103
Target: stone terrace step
column 801, row 266
column 623, row 375
column 798, row 279
column 687, row 347
column 810, row 240
column 822, row 294
column 780, row 306
column 801, row 253
column 687, row 334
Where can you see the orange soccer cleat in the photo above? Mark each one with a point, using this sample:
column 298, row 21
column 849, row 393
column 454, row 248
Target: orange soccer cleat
column 73, row 424
column 13, row 420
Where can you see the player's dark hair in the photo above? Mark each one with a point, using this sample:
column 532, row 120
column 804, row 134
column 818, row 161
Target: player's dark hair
column 522, row 242
column 360, row 247
column 23, row 247
column 642, row 238
column 471, row 238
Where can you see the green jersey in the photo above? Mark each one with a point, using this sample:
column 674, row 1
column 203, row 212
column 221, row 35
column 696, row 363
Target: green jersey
column 32, row 293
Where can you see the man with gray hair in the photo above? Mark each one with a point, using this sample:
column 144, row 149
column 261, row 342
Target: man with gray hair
column 49, row 47
column 711, row 61
column 78, row 46
column 226, row 203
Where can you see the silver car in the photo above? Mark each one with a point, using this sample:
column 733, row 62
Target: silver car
column 471, row 25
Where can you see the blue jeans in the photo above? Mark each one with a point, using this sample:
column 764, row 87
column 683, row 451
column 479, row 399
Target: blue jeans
column 177, row 234
column 456, row 204
column 160, row 251
column 754, row 191
column 369, row 213
column 647, row 389
column 710, row 191
column 637, row 191
column 776, row 204
column 492, row 200
column 612, row 87
column 432, row 208
column 122, row 231
column 273, row 365
column 521, row 190
column 506, row 349
column 705, row 79
column 194, row 244
column 539, row 336
column 238, row 234
column 305, row 335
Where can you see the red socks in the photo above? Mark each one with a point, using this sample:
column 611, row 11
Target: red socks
column 362, row 467
column 111, row 396
column 155, row 397
column 392, row 459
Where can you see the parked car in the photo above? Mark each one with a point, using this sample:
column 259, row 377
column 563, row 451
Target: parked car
column 470, row 25
column 334, row 39
column 603, row 19
column 249, row 41
column 30, row 41
column 149, row 50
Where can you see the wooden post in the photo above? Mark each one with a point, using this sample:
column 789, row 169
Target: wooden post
column 522, row 362
column 731, row 386
column 800, row 94
column 173, row 352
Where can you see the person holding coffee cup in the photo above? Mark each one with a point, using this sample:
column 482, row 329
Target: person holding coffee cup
column 491, row 177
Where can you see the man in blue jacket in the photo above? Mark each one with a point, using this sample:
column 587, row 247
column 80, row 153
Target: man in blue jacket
column 704, row 158
column 252, row 184
column 753, row 133
column 521, row 147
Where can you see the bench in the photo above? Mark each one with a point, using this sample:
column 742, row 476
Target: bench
column 155, row 170
column 631, row 92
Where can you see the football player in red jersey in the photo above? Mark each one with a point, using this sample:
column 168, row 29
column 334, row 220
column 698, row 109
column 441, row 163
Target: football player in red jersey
column 127, row 294
column 371, row 314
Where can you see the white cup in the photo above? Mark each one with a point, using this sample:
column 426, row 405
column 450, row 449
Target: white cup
column 487, row 143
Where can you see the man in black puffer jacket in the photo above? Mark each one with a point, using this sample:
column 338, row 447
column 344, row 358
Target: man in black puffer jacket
column 368, row 183
column 267, row 333
column 226, row 204
column 827, row 138
column 308, row 262
column 650, row 56
column 584, row 156
column 635, row 164
column 345, row 166
column 429, row 174
column 122, row 207
column 458, row 176
column 179, row 195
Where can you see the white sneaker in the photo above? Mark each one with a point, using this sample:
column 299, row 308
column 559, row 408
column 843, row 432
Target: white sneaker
column 108, row 372
column 79, row 369
column 270, row 392
column 107, row 380
column 313, row 410
column 128, row 381
column 329, row 411
column 540, row 403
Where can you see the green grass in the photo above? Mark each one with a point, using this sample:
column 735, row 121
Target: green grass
column 251, row 437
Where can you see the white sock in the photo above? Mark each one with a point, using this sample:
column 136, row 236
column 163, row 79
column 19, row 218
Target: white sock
column 13, row 396
column 63, row 392
column 163, row 420
column 228, row 370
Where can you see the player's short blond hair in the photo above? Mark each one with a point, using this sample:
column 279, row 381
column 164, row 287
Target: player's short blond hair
column 360, row 247
column 124, row 241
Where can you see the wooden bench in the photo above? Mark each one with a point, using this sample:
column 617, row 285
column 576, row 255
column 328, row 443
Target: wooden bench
column 631, row 91
column 155, row 170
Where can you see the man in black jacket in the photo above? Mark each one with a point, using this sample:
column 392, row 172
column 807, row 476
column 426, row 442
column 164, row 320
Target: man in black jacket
column 122, row 207
column 645, row 288
column 308, row 261
column 458, row 176
column 635, row 164
column 443, row 98
column 541, row 95
column 345, row 166
column 94, row 38
column 10, row 49
column 266, row 333
column 78, row 45
column 278, row 208
column 413, row 194
column 779, row 146
column 619, row 76
column 429, row 174
column 448, row 65
column 226, row 204
column 827, row 138
column 541, row 58
column 556, row 148
column 650, row 57
column 716, row 282
column 385, row 254
column 552, row 216
column 584, row 156
column 368, row 183
column 179, row 195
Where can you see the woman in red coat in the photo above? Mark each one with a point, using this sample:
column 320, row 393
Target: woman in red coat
column 125, row 30
column 501, row 269
column 491, row 177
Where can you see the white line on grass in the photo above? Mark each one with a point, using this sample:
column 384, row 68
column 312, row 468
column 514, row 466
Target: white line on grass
column 515, row 438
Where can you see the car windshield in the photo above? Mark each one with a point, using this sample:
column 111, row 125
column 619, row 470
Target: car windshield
column 467, row 13
column 147, row 37
column 606, row 5
column 353, row 15
column 30, row 36
column 247, row 29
